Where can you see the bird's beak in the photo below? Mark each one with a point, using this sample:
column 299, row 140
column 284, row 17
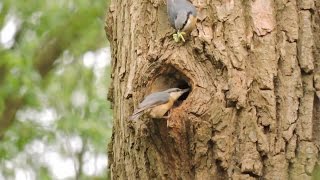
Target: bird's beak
column 185, row 90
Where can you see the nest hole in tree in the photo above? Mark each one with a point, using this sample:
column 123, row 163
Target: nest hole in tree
column 172, row 78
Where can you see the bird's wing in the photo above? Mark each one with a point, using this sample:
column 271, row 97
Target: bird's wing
column 171, row 11
column 138, row 112
column 186, row 6
column 154, row 99
column 150, row 101
column 193, row 10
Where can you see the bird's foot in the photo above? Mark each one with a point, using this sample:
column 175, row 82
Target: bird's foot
column 168, row 114
column 179, row 35
column 166, row 117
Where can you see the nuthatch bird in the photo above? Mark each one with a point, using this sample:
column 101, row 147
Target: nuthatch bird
column 158, row 103
column 182, row 16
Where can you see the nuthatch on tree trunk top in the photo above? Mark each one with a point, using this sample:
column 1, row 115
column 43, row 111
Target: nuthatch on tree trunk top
column 158, row 103
column 182, row 16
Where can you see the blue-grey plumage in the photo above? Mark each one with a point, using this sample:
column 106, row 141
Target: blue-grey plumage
column 179, row 12
column 159, row 103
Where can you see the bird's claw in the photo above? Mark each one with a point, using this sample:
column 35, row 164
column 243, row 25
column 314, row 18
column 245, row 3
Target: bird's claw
column 179, row 35
column 166, row 117
column 168, row 114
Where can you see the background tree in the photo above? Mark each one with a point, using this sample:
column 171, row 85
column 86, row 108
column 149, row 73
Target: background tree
column 53, row 85
column 254, row 108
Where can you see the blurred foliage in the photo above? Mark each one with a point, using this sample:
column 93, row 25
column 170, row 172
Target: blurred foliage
column 316, row 173
column 42, row 70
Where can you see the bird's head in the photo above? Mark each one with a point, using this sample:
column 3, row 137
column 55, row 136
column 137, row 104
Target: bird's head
column 175, row 93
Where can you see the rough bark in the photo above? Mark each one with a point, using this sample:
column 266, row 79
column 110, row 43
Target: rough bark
column 254, row 109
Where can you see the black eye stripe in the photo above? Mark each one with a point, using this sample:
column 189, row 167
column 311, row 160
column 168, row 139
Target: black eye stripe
column 188, row 16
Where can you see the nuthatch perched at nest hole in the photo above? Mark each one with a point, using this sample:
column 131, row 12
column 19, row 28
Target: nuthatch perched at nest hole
column 158, row 103
column 182, row 16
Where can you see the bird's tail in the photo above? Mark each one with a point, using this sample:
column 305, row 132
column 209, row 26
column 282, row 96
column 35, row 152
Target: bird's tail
column 135, row 115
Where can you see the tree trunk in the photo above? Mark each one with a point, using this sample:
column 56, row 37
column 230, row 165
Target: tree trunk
column 253, row 111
